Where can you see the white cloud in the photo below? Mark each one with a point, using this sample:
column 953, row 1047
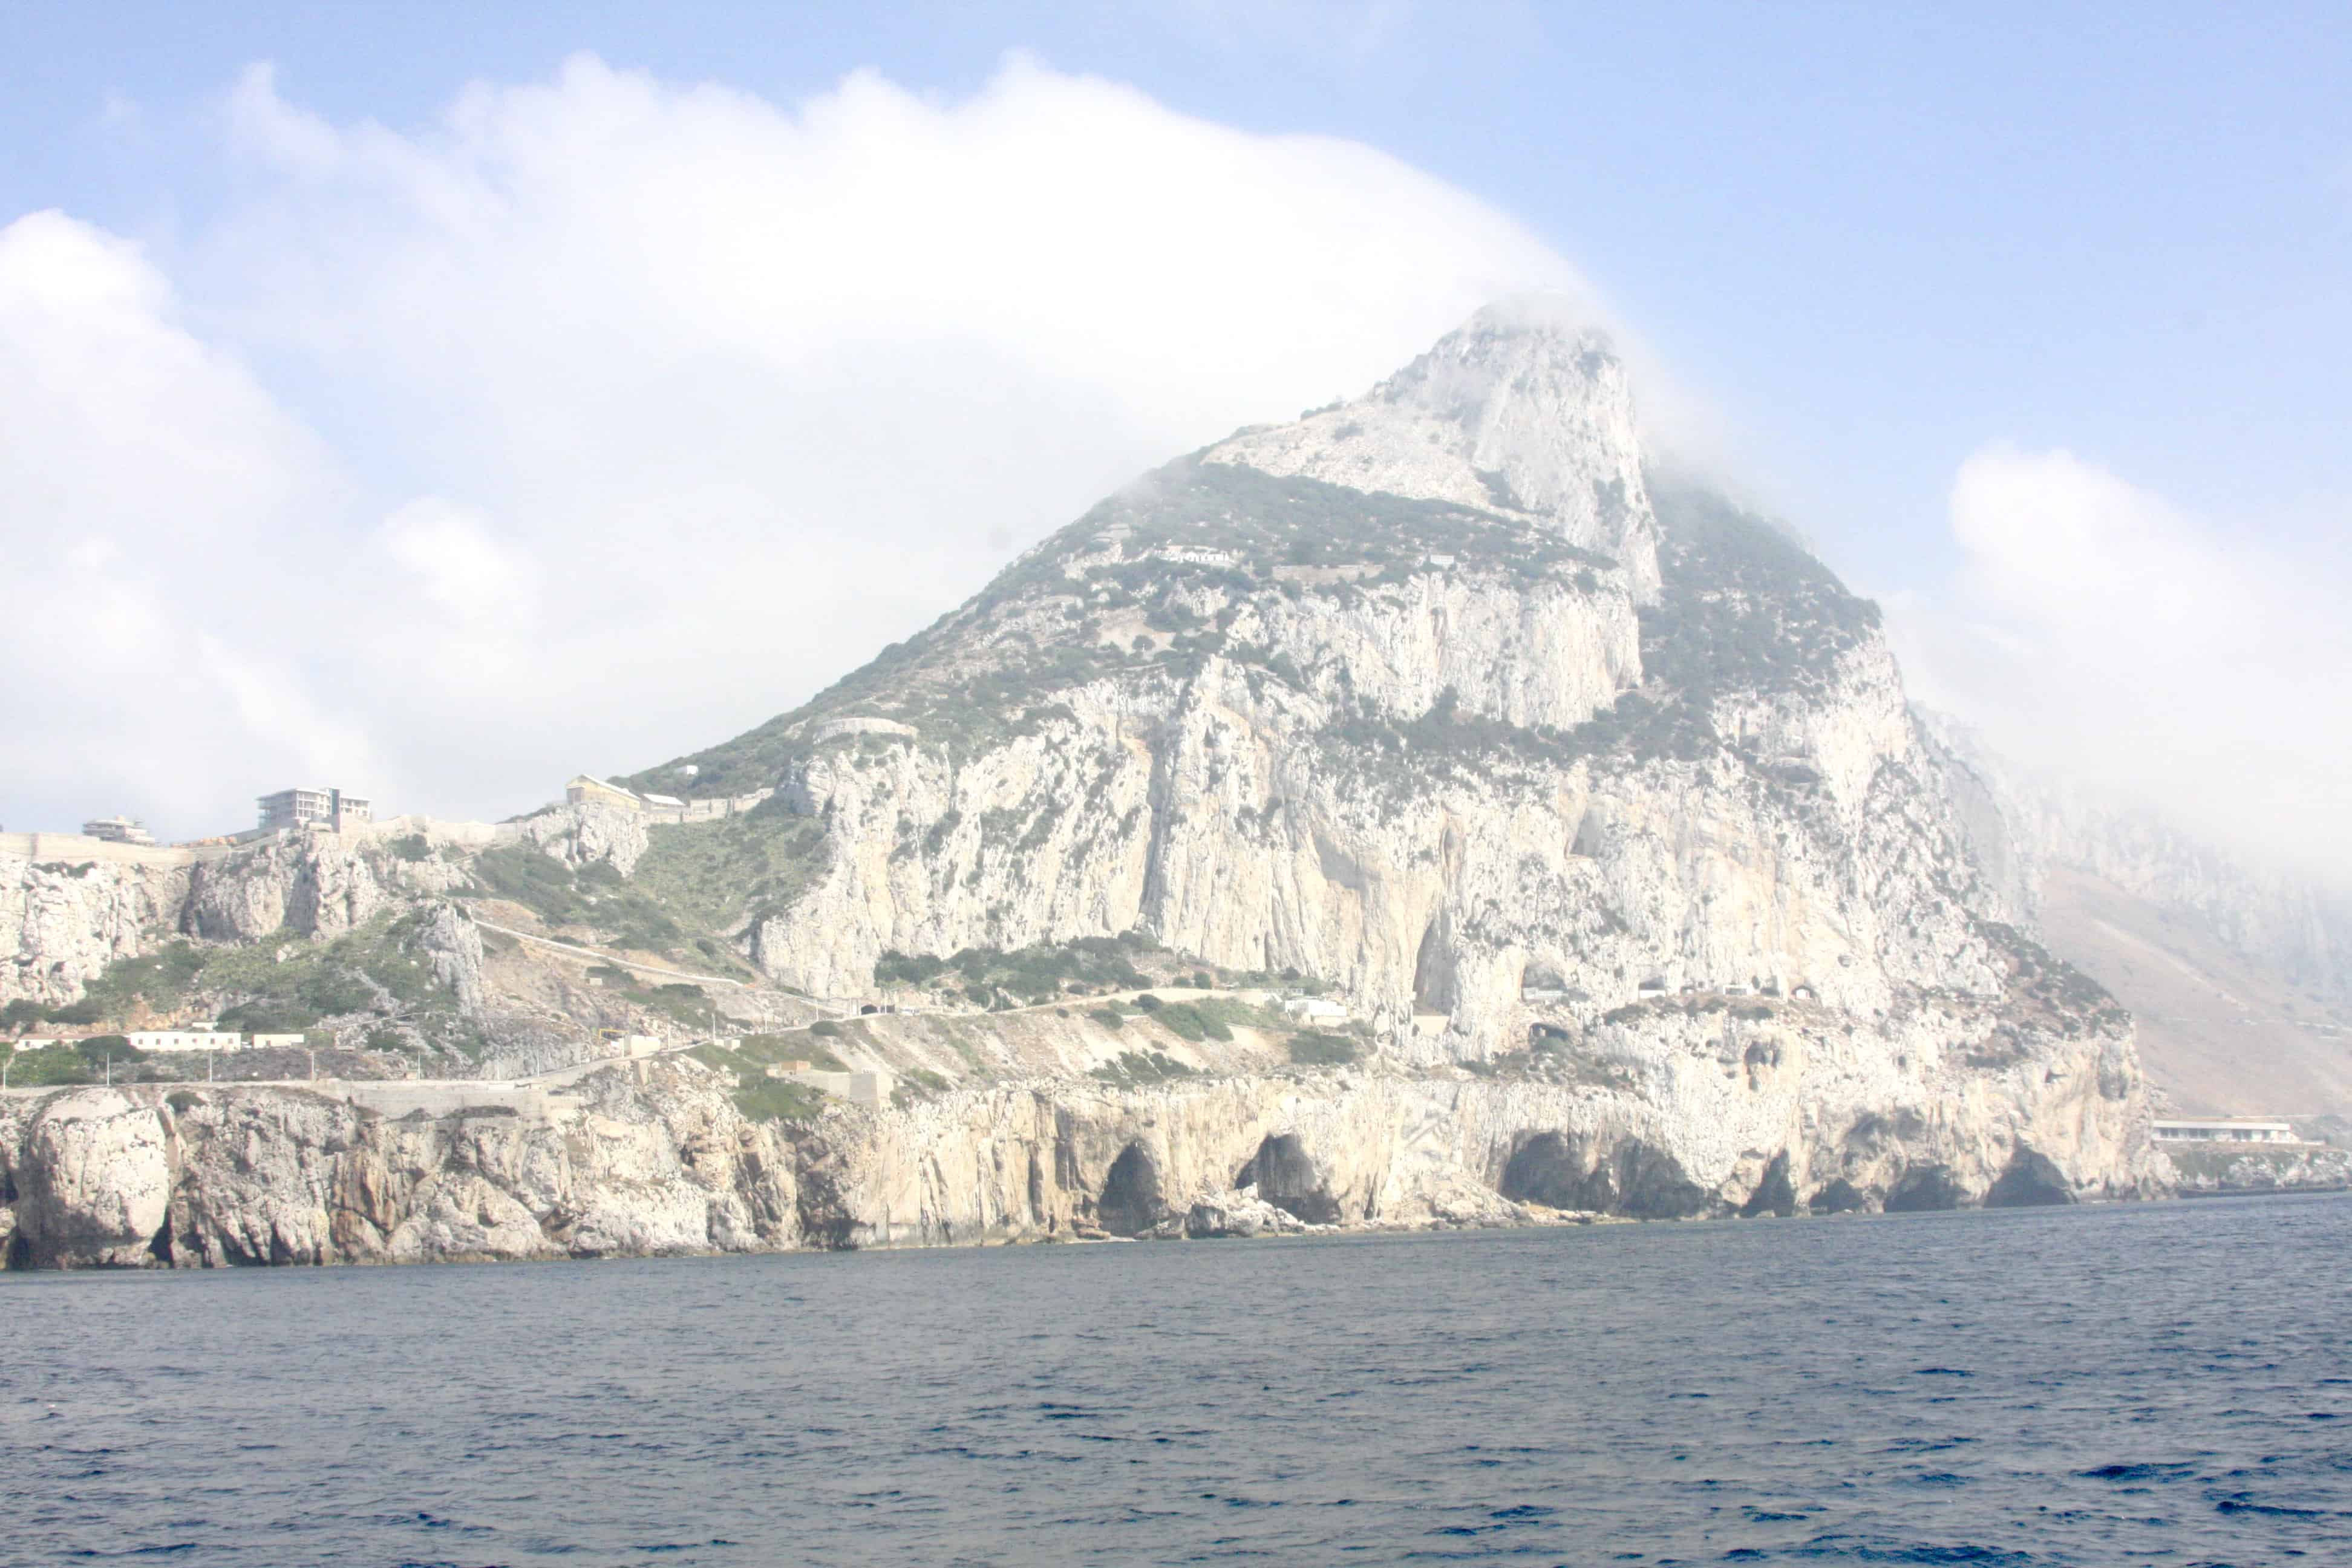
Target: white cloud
column 2097, row 630
column 608, row 417
column 154, row 495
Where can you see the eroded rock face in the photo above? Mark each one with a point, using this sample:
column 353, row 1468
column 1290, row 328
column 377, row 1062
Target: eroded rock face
column 63, row 921
column 91, row 1169
column 655, row 1158
column 317, row 884
column 216, row 1178
column 587, row 832
column 1520, row 411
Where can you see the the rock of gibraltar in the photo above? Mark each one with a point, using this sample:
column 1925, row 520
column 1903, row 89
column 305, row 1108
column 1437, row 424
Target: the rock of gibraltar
column 1432, row 811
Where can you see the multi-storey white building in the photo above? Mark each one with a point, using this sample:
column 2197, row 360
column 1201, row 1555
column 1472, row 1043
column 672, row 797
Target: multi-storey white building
column 329, row 808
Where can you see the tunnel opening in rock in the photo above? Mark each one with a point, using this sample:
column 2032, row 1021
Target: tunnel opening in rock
column 1775, row 1195
column 1287, row 1176
column 2030, row 1180
column 1928, row 1189
column 1548, row 1168
column 1131, row 1202
column 1841, row 1196
column 1653, row 1184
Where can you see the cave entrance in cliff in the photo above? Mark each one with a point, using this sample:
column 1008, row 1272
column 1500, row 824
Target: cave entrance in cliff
column 1131, row 1202
column 1927, row 1189
column 1433, row 972
column 1545, row 1170
column 2031, row 1181
column 1286, row 1176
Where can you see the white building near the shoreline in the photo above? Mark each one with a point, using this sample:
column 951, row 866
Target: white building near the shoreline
column 2224, row 1130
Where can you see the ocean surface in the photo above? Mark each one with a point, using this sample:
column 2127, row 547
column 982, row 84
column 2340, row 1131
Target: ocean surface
column 2157, row 1384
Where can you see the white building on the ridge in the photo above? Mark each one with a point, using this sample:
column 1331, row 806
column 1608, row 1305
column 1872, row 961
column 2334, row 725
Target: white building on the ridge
column 118, row 830
column 588, row 790
column 328, row 808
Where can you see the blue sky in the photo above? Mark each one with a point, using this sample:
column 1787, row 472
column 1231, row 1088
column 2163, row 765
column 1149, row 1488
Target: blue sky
column 1876, row 237
column 1874, row 245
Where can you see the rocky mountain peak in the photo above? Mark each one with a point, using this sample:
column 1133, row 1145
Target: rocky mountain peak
column 1522, row 410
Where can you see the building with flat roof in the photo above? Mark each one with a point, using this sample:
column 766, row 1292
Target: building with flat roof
column 328, row 808
column 205, row 1039
column 2224, row 1130
column 585, row 789
column 118, row 830
column 871, row 1088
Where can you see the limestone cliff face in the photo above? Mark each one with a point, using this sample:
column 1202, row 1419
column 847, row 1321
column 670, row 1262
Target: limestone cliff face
column 313, row 883
column 1681, row 1112
column 211, row 1177
column 589, row 833
column 1518, row 413
column 1442, row 780
column 1702, row 1115
column 64, row 921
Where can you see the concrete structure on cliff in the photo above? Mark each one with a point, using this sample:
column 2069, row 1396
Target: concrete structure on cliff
column 584, row 789
column 871, row 1089
column 2223, row 1130
column 329, row 808
column 118, row 830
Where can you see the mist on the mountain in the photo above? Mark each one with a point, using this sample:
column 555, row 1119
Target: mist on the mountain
column 2147, row 659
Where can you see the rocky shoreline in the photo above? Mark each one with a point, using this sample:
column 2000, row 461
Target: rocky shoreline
column 654, row 1158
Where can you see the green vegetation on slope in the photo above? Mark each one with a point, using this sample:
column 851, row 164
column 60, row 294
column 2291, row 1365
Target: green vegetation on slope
column 1030, row 974
column 716, row 876
column 1745, row 608
column 378, row 977
column 625, row 913
column 959, row 699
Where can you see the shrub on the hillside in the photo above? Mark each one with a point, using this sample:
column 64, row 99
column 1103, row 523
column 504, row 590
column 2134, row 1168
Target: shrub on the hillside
column 1315, row 1048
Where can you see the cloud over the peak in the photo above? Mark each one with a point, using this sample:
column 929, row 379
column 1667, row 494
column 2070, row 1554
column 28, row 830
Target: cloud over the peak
column 2097, row 630
column 606, row 415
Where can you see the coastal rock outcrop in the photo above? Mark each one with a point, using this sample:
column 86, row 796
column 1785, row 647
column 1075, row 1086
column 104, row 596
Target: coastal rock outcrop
column 1689, row 1115
column 652, row 1163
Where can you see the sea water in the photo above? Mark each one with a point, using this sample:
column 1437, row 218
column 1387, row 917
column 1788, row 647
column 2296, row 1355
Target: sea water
column 2158, row 1383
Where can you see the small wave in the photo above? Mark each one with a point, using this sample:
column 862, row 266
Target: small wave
column 2146, row 1472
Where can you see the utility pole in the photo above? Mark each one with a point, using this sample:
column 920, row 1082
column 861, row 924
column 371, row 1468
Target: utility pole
column 109, row 1069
